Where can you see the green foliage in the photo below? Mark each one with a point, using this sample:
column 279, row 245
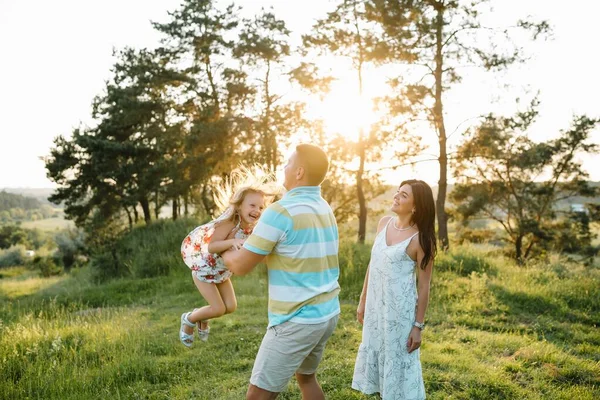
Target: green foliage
column 13, row 256
column 70, row 247
column 354, row 260
column 465, row 261
column 16, row 208
column 441, row 37
column 527, row 332
column 263, row 49
column 46, row 266
column 11, row 235
column 498, row 168
column 479, row 235
column 10, row 200
column 572, row 233
column 146, row 251
column 124, row 160
column 174, row 121
column 347, row 33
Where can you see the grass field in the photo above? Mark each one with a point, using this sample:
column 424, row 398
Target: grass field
column 49, row 224
column 495, row 331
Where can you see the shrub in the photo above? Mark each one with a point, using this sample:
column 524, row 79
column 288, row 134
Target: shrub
column 13, row 256
column 475, row 235
column 146, row 251
column 463, row 260
column 71, row 246
column 46, row 266
column 354, row 260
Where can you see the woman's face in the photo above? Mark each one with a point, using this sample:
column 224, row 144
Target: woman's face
column 252, row 207
column 403, row 200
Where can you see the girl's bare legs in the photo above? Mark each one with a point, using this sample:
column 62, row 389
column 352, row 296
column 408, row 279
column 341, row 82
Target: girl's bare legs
column 215, row 308
column 228, row 296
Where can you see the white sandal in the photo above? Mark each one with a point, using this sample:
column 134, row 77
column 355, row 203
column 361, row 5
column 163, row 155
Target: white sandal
column 203, row 333
column 185, row 338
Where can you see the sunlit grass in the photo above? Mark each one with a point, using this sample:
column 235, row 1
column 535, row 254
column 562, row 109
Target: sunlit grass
column 495, row 331
column 49, row 224
column 24, row 283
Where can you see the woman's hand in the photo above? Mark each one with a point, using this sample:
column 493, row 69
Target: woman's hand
column 414, row 339
column 360, row 312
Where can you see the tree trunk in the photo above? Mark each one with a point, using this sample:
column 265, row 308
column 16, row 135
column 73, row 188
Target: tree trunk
column 438, row 115
column 136, row 217
column 362, row 206
column 185, row 205
column 360, row 193
column 129, row 219
column 519, row 249
column 156, row 206
column 175, row 208
column 146, row 208
column 269, row 137
column 205, row 201
column 528, row 250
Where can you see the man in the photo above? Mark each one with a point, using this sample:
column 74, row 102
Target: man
column 299, row 237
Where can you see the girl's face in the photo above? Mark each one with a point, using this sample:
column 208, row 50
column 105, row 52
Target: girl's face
column 252, row 207
column 404, row 202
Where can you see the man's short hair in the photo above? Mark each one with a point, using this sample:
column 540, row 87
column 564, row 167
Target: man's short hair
column 315, row 162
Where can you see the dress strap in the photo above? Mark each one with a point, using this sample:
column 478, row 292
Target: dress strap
column 236, row 228
column 388, row 223
column 411, row 238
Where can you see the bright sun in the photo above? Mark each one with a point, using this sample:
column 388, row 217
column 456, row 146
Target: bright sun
column 343, row 111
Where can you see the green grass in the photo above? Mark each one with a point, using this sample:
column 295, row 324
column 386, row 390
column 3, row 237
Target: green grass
column 495, row 331
column 49, row 224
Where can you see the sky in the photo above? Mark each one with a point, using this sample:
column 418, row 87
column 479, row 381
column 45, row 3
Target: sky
column 56, row 56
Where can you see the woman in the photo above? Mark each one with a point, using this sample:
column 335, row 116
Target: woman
column 392, row 305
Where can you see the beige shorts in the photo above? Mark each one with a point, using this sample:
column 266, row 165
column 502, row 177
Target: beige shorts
column 289, row 348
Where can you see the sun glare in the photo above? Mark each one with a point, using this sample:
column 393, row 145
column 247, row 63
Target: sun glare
column 344, row 112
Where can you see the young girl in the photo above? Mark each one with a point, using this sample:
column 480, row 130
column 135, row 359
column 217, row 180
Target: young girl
column 243, row 198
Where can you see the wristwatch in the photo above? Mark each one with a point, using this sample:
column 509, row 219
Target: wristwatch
column 420, row 325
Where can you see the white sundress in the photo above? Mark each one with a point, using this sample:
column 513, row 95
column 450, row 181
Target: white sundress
column 383, row 364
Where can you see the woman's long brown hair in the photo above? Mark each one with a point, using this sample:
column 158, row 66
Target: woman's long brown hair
column 424, row 218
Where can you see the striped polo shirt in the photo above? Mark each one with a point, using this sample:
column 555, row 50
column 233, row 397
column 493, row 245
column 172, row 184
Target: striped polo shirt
column 299, row 236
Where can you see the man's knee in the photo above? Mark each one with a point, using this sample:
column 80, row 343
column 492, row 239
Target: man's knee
column 305, row 379
column 256, row 393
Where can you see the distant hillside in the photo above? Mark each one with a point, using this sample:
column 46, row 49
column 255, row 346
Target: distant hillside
column 11, row 200
column 40, row 194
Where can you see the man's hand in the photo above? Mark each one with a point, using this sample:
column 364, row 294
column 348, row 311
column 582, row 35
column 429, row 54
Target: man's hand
column 238, row 243
column 242, row 261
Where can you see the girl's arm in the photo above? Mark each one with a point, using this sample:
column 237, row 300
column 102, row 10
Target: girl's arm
column 219, row 242
column 423, row 283
column 360, row 311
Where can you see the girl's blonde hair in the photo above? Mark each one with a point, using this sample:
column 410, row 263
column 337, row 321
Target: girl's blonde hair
column 243, row 180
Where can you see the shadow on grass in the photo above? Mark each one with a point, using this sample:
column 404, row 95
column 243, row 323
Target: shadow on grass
column 550, row 318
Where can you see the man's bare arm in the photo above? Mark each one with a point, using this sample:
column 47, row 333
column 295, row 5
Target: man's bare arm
column 242, row 261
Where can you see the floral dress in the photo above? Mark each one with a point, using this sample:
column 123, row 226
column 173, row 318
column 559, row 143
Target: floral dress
column 383, row 364
column 207, row 267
